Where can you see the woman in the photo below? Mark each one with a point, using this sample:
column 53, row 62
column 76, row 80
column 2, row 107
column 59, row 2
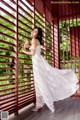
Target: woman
column 51, row 84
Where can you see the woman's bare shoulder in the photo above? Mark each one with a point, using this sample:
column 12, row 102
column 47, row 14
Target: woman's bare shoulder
column 35, row 42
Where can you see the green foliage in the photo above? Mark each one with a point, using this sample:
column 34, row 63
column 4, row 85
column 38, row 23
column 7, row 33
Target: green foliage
column 65, row 45
column 66, row 60
column 7, row 49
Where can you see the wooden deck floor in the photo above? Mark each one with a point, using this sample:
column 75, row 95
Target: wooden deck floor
column 68, row 109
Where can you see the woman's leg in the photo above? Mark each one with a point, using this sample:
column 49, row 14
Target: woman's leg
column 39, row 103
column 39, row 99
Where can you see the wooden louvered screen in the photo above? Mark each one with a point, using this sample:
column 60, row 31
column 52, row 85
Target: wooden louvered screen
column 56, row 50
column 17, row 19
column 8, row 56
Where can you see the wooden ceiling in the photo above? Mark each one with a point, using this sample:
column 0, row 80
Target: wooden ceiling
column 67, row 9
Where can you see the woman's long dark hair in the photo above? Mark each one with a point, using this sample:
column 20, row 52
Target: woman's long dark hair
column 39, row 35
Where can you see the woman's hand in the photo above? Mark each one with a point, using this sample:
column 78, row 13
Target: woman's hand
column 23, row 49
column 26, row 44
column 32, row 51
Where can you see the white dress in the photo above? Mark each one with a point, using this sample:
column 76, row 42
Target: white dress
column 51, row 84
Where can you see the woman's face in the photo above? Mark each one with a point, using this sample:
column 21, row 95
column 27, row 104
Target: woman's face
column 34, row 33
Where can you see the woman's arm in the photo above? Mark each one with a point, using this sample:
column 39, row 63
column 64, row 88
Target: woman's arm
column 32, row 50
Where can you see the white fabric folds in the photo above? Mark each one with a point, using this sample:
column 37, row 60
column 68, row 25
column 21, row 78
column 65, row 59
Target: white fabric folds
column 51, row 84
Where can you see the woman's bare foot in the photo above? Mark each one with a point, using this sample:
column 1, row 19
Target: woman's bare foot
column 36, row 109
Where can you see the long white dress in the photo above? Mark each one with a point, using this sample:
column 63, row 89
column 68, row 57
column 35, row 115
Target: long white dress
column 51, row 84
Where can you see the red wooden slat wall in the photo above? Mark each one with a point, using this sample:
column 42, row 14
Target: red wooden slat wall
column 17, row 18
column 74, row 41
